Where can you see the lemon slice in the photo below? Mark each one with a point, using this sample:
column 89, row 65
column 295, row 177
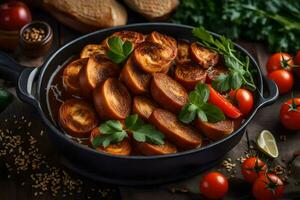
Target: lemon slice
column 267, row 143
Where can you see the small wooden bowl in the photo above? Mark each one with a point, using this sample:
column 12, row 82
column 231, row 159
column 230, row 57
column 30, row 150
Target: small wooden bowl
column 9, row 40
column 36, row 48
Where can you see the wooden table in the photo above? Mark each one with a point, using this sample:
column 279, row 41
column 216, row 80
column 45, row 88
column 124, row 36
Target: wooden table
column 21, row 123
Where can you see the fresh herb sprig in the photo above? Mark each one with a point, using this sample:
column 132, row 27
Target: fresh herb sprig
column 199, row 107
column 112, row 131
column 118, row 50
column 239, row 73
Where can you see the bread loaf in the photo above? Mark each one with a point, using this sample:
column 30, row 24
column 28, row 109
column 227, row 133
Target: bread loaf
column 153, row 9
column 91, row 14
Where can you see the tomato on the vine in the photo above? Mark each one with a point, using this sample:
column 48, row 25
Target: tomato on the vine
column 214, row 185
column 280, row 61
column 252, row 168
column 243, row 99
column 283, row 79
column 290, row 114
column 268, row 186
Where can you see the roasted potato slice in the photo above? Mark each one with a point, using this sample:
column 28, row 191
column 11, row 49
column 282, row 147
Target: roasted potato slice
column 152, row 57
column 216, row 131
column 189, row 74
column 112, row 100
column 168, row 93
column 183, row 52
column 92, row 49
column 214, row 72
column 71, row 76
column 134, row 37
column 97, row 70
column 135, row 79
column 122, row 148
column 183, row 136
column 143, row 106
column 77, row 118
column 203, row 56
column 164, row 40
column 152, row 149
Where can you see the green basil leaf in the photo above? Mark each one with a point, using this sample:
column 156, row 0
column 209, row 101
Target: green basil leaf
column 116, row 58
column 115, row 45
column 96, row 142
column 203, row 91
column 195, row 98
column 213, row 113
column 188, row 113
column 127, row 48
column 235, row 80
column 221, row 83
column 131, row 120
column 114, row 124
column 106, row 142
column 140, row 137
column 201, row 115
column 203, row 35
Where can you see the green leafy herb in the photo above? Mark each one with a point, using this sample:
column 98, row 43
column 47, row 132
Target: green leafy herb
column 119, row 50
column 5, row 99
column 274, row 22
column 143, row 132
column 113, row 132
column 238, row 66
column 199, row 107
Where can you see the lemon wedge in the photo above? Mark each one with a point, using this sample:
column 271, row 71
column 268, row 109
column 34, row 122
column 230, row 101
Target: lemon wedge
column 267, row 143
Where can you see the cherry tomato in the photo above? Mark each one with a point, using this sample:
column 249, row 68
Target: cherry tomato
column 290, row 114
column 298, row 64
column 243, row 99
column 280, row 61
column 283, row 79
column 252, row 168
column 268, row 187
column 228, row 109
column 214, row 185
column 14, row 15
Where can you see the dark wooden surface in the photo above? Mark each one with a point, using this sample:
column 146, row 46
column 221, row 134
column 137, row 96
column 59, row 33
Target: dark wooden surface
column 18, row 184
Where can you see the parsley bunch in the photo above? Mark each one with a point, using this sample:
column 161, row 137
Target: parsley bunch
column 118, row 50
column 275, row 22
column 113, row 132
column 239, row 74
column 199, row 107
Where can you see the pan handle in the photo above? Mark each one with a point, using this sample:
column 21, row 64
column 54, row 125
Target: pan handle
column 22, row 77
column 25, row 86
column 273, row 93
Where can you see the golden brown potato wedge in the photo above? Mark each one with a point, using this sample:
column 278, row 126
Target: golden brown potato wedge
column 137, row 81
column 134, row 37
column 214, row 72
column 152, row 57
column 71, row 76
column 203, row 56
column 97, row 70
column 143, row 106
column 183, row 52
column 77, row 118
column 92, row 49
column 112, row 100
column 183, row 136
column 189, row 74
column 122, row 148
column 152, row 149
column 216, row 131
column 168, row 93
column 164, row 40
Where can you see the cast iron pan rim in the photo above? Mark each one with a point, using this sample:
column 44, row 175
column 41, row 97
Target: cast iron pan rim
column 184, row 153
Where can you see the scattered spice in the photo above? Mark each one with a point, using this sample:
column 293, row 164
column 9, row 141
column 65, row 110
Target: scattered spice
column 30, row 166
column 34, row 34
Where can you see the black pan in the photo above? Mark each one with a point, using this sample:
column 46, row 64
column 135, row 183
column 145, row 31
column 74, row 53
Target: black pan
column 32, row 87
